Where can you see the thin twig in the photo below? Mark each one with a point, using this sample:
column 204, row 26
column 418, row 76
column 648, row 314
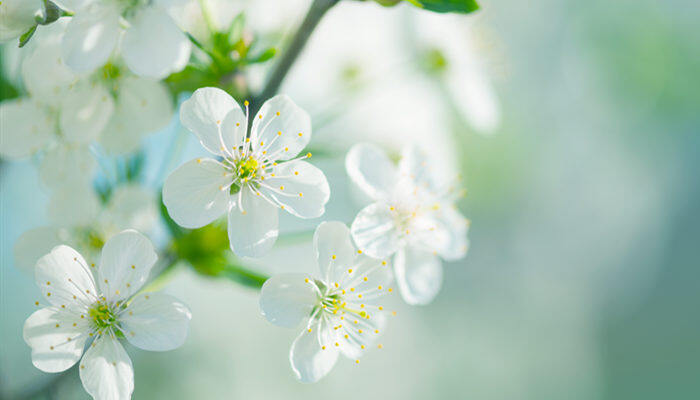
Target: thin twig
column 317, row 10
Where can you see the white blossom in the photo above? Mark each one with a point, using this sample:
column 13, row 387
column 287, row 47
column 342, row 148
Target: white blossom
column 413, row 218
column 18, row 16
column 152, row 45
column 252, row 176
column 78, row 220
column 344, row 316
column 99, row 310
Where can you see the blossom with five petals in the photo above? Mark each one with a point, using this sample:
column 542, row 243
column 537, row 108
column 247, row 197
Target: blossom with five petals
column 97, row 310
column 342, row 310
column 413, row 218
column 252, row 176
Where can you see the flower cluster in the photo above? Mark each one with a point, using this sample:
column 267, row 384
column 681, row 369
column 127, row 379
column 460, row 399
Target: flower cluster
column 95, row 77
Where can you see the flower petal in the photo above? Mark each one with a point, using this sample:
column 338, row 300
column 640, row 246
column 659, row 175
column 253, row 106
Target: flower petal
column 374, row 231
column 126, row 262
column 233, row 130
column 156, row 322
column 64, row 278
column 371, row 170
column 203, row 113
column 45, row 75
column 301, row 188
column 57, row 338
column 106, row 370
column 281, row 129
column 90, row 37
column 85, row 111
column 334, row 250
column 154, row 46
column 253, row 225
column 73, row 204
column 418, row 275
column 131, row 206
column 309, row 361
column 33, row 244
column 143, row 106
column 67, row 164
column 193, row 193
column 416, row 166
column 17, row 16
column 26, row 128
column 287, row 299
column 452, row 244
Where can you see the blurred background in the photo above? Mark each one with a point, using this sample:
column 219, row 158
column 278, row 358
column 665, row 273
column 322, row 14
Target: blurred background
column 575, row 126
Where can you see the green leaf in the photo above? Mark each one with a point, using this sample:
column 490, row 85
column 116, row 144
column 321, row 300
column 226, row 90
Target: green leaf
column 235, row 30
column 24, row 39
column 445, row 6
column 262, row 57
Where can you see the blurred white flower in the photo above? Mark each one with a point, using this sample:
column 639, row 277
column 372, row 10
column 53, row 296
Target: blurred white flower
column 341, row 307
column 102, row 309
column 413, row 218
column 80, row 221
column 152, row 45
column 255, row 176
column 18, row 16
column 448, row 47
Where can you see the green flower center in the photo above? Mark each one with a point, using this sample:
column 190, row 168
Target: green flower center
column 247, row 168
column 102, row 316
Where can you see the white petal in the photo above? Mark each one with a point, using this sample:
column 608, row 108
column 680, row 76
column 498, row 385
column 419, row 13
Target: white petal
column 106, row 370
column 287, row 299
column 73, row 204
column 283, row 131
column 193, row 193
column 26, row 128
column 143, row 106
column 45, row 75
column 127, row 259
column 416, row 166
column 300, row 187
column 17, row 16
column 85, row 111
column 90, row 37
column 67, row 164
column 64, row 278
column 352, row 346
column 155, row 322
column 233, row 130
column 57, row 338
column 334, row 249
column 418, row 275
column 375, row 232
column 33, row 244
column 204, row 112
column 309, row 361
column 253, row 225
column 131, row 206
column 371, row 170
column 154, row 46
column 452, row 227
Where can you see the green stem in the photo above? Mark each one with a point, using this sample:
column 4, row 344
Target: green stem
column 317, row 10
column 244, row 276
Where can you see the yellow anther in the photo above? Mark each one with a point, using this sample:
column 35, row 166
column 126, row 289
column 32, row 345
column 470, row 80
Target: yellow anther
column 281, row 187
column 359, row 331
column 309, row 330
column 362, row 346
column 376, row 331
column 247, row 140
column 362, row 306
column 199, row 160
column 323, row 347
column 383, row 262
column 238, row 124
column 279, row 133
column 246, row 103
column 63, row 306
column 337, row 344
column 365, row 279
column 260, row 116
column 336, row 284
column 261, row 143
column 133, row 267
column 49, row 294
column 300, row 134
column 359, row 296
column 308, row 155
column 390, row 290
column 286, row 149
column 352, row 289
column 218, row 122
column 306, row 280
column 296, row 172
column 278, row 113
column 379, row 346
column 357, row 361
column 359, row 251
column 393, row 313
column 300, row 194
column 333, row 256
column 36, row 303
column 391, row 208
column 380, row 308
column 350, row 272
column 48, row 283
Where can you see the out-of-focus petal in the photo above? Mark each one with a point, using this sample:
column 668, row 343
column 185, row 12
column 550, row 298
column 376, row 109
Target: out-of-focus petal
column 287, row 299
column 371, row 170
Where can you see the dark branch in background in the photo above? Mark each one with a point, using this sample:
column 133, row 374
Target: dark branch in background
column 317, row 10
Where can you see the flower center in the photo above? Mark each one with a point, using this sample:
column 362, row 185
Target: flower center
column 102, row 316
column 247, row 168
